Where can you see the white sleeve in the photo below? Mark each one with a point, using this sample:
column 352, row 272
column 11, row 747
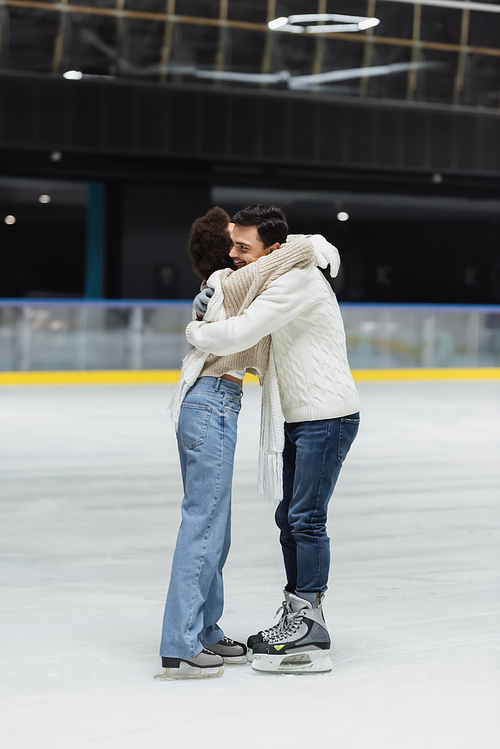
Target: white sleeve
column 276, row 306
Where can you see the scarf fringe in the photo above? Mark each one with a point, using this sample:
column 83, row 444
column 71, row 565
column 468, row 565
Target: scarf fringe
column 272, row 438
column 271, row 476
column 180, row 393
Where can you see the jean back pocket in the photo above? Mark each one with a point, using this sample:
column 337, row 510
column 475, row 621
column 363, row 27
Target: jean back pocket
column 193, row 424
column 349, row 426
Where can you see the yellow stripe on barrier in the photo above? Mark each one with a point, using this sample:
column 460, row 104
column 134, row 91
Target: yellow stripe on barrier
column 97, row 377
column 391, row 375
column 171, row 376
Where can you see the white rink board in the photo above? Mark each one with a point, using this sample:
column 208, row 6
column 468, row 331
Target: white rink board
column 89, row 509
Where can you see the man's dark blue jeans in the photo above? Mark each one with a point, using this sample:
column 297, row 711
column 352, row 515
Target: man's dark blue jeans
column 312, row 459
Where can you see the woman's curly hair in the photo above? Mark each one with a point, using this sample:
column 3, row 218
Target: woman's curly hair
column 210, row 243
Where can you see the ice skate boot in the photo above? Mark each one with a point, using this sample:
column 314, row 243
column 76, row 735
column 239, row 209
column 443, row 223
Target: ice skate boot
column 231, row 651
column 205, row 665
column 301, row 647
column 265, row 634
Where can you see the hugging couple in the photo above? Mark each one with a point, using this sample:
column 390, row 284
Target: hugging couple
column 265, row 308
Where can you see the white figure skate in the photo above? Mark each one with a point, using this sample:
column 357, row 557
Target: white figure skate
column 205, row 665
column 230, row 650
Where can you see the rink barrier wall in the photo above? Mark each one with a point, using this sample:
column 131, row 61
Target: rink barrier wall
column 171, row 376
column 85, row 337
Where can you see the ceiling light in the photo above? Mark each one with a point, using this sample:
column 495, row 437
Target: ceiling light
column 332, row 23
column 278, row 22
column 299, row 82
column 368, row 24
column 73, row 75
column 460, row 4
column 334, row 76
column 10, row 220
column 44, row 199
column 56, row 156
column 343, row 216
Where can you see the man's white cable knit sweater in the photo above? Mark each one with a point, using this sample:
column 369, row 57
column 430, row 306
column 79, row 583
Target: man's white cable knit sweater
column 301, row 312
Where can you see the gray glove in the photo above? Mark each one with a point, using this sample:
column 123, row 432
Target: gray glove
column 201, row 300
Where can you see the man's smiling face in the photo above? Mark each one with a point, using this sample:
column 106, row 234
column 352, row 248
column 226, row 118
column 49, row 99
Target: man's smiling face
column 247, row 246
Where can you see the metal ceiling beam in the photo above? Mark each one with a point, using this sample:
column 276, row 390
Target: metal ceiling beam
column 120, row 36
column 462, row 58
column 320, row 43
column 415, row 52
column 268, row 48
column 367, row 53
column 59, row 44
column 168, row 35
column 220, row 57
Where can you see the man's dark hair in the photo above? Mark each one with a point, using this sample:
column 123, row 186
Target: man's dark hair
column 270, row 222
column 210, row 243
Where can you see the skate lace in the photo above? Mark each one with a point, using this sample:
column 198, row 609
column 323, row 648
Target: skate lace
column 284, row 609
column 226, row 641
column 291, row 624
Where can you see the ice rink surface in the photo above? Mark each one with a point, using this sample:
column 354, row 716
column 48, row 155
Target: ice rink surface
column 90, row 497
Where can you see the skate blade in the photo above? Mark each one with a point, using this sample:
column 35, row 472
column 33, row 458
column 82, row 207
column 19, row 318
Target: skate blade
column 185, row 671
column 237, row 660
column 299, row 663
column 250, row 655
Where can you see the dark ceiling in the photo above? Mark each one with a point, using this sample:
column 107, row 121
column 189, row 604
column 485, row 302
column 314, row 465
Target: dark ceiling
column 418, row 52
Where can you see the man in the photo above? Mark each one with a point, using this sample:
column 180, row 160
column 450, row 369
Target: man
column 320, row 406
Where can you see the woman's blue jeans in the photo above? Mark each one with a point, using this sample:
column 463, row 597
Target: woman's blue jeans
column 312, row 459
column 206, row 439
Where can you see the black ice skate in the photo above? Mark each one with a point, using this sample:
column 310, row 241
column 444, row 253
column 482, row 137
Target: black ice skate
column 202, row 666
column 302, row 646
column 231, row 651
column 267, row 634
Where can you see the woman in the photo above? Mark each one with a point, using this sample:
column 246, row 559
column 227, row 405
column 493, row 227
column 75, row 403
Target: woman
column 205, row 408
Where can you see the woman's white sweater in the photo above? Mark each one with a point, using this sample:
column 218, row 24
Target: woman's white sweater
column 301, row 312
